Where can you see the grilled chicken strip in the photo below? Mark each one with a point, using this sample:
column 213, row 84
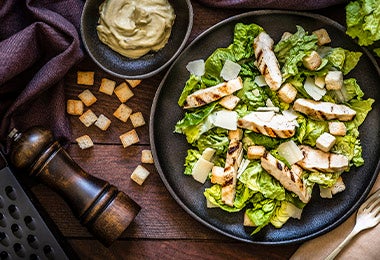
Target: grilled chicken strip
column 275, row 126
column 323, row 110
column 267, row 62
column 207, row 95
column 233, row 160
column 317, row 160
column 289, row 178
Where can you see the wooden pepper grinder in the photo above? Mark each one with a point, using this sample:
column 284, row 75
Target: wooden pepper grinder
column 105, row 211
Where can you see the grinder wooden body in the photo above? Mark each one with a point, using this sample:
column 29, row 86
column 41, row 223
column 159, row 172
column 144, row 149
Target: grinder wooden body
column 100, row 206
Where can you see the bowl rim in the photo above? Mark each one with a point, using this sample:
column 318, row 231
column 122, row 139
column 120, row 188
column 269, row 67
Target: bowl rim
column 88, row 3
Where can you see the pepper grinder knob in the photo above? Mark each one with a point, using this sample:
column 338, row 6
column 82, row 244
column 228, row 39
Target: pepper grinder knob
column 101, row 207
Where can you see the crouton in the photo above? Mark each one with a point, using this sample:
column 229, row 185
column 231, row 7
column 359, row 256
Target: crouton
column 229, row 101
column 74, row 107
column 337, row 128
column 287, row 93
column 133, row 82
column 312, row 61
column 255, row 152
column 88, row 118
column 123, row 112
column 140, row 174
column 137, row 119
column 146, row 156
column 85, row 78
column 334, row 80
column 129, row 138
column 87, row 97
column 325, row 142
column 103, row 122
column 323, row 36
column 84, row 142
column 235, row 134
column 320, row 81
column 123, row 92
column 217, row 175
column 107, row 86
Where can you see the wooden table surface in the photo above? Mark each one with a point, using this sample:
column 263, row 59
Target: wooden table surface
column 162, row 229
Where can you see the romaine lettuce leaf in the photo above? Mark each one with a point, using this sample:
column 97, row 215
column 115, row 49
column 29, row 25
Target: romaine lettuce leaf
column 258, row 180
column 191, row 158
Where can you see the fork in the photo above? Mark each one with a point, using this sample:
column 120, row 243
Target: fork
column 367, row 217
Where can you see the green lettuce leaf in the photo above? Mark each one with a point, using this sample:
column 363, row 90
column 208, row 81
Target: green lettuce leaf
column 258, row 180
column 191, row 158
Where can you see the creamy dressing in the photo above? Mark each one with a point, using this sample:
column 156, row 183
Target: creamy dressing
column 135, row 27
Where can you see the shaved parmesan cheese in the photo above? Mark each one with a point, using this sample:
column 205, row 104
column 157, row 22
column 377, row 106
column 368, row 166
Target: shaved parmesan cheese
column 320, row 82
column 230, row 70
column 265, row 116
column 275, row 109
column 269, row 103
column 260, row 81
column 290, row 152
column 256, row 92
column 208, row 153
column 211, row 205
column 243, row 165
column 201, row 170
column 313, row 90
column 196, row 67
column 226, row 119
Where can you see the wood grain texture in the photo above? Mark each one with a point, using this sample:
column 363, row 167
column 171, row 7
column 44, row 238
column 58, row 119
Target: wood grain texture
column 162, row 229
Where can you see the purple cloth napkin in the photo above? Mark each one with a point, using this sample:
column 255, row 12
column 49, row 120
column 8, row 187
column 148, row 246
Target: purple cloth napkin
column 273, row 4
column 39, row 43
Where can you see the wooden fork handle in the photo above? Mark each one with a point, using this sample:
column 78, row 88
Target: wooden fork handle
column 339, row 248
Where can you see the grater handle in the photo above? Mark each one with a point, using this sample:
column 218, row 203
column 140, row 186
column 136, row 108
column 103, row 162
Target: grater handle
column 100, row 206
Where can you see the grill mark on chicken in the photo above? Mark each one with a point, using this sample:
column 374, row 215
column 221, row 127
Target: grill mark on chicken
column 279, row 166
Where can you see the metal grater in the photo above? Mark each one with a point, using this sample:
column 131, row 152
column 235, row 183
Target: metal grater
column 24, row 232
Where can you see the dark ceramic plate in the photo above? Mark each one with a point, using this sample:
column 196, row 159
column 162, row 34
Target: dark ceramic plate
column 169, row 149
column 146, row 66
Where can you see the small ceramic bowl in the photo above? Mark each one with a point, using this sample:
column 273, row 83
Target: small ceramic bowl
column 147, row 65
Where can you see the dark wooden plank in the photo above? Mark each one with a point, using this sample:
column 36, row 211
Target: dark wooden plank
column 180, row 249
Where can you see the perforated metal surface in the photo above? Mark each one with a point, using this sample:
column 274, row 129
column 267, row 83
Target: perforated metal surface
column 24, row 233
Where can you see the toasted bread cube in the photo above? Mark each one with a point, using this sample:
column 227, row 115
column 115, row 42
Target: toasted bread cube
column 217, row 175
column 319, row 81
column 325, row 141
column 74, row 107
column 287, row 93
column 255, row 152
column 103, row 122
column 334, row 80
column 88, row 118
column 337, row 128
column 248, row 222
column 235, row 134
column 146, row 156
column 140, row 174
column 85, row 78
column 133, row 82
column 123, row 92
column 312, row 61
column 123, row 112
column 129, row 138
column 229, row 101
column 137, row 119
column 84, row 142
column 323, row 36
column 87, row 97
column 107, row 86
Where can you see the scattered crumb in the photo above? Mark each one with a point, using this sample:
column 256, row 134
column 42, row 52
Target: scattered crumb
column 84, row 142
column 146, row 156
column 87, row 97
column 137, row 119
column 74, row 107
column 85, row 78
column 129, row 138
column 140, row 174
